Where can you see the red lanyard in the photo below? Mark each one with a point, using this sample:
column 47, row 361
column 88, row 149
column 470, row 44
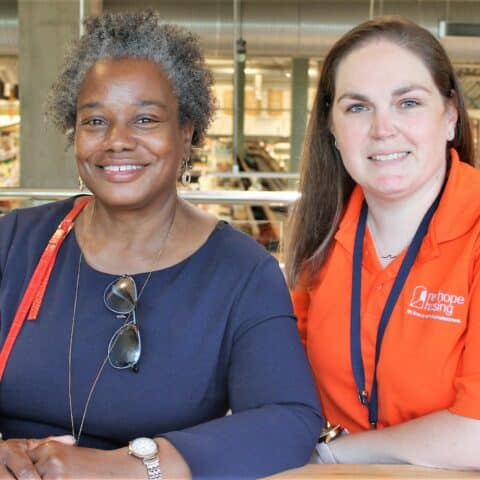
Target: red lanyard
column 33, row 296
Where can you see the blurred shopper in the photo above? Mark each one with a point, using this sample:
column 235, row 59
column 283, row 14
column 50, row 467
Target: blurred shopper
column 384, row 252
column 148, row 319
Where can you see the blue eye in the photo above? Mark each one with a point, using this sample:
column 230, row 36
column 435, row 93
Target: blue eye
column 356, row 108
column 409, row 103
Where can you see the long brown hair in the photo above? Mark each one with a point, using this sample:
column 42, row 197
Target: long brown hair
column 325, row 185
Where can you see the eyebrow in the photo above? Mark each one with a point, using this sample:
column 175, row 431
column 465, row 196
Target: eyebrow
column 148, row 103
column 141, row 103
column 396, row 93
column 88, row 105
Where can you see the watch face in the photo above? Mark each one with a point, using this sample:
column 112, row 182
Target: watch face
column 144, row 447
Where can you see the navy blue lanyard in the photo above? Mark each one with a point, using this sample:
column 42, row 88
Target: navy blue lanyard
column 355, row 340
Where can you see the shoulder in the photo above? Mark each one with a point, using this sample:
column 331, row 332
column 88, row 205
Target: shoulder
column 249, row 260
column 238, row 247
column 463, row 180
column 46, row 213
column 459, row 209
column 242, row 266
column 252, row 278
column 467, row 172
column 31, row 226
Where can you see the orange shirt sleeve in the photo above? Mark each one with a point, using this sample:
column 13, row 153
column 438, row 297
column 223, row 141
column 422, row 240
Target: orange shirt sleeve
column 467, row 383
column 301, row 304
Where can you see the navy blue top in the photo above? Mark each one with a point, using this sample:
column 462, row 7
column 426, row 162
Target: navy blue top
column 218, row 333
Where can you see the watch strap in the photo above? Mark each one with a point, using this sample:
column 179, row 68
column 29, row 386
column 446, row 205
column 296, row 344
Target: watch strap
column 154, row 471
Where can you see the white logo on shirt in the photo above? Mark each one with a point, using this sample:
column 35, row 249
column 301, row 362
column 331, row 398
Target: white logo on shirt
column 437, row 305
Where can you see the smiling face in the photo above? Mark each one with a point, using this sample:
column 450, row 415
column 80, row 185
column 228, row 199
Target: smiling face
column 390, row 122
column 128, row 140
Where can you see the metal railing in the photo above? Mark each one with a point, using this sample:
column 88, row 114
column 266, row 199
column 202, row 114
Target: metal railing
column 250, row 197
column 253, row 175
column 269, row 231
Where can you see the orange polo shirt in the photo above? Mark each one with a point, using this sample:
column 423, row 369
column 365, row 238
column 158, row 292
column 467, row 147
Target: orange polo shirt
column 430, row 355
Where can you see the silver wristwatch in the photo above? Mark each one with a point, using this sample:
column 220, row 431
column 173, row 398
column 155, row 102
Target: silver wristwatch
column 146, row 450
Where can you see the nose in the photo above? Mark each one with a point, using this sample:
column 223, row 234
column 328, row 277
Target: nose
column 119, row 138
column 383, row 124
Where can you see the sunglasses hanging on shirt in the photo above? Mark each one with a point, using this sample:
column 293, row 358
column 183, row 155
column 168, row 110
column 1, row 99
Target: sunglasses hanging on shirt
column 125, row 346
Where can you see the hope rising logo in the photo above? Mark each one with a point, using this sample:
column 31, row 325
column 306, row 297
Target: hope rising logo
column 438, row 302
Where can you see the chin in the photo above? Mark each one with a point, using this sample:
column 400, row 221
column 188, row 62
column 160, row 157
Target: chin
column 390, row 192
column 392, row 185
column 121, row 199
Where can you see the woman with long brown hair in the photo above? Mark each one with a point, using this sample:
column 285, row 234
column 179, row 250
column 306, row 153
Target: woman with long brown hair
column 384, row 252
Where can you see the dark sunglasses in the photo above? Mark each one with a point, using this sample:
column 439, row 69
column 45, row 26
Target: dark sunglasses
column 125, row 346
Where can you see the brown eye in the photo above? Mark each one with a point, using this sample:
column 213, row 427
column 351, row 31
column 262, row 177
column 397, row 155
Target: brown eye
column 145, row 120
column 93, row 122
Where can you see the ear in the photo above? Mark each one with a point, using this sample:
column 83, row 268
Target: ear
column 187, row 133
column 451, row 113
column 333, row 138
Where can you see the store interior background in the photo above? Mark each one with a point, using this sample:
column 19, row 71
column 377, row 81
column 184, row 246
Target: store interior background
column 263, row 95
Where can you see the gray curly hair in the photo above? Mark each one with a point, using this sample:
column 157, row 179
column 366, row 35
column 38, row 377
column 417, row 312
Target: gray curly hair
column 140, row 35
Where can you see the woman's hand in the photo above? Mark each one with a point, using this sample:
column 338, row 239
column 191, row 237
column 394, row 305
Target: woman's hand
column 15, row 461
column 4, row 473
column 56, row 460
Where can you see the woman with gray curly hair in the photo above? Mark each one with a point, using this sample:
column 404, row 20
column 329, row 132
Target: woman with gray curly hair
column 147, row 323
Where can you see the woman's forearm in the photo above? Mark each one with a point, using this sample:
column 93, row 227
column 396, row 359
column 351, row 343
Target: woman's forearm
column 172, row 463
column 61, row 459
column 440, row 439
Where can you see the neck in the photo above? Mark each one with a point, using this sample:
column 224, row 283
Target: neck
column 108, row 234
column 393, row 223
column 132, row 224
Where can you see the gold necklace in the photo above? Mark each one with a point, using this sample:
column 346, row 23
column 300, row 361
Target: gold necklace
column 72, row 329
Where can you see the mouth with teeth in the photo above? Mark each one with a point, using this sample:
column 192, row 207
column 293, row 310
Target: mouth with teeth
column 388, row 157
column 122, row 168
